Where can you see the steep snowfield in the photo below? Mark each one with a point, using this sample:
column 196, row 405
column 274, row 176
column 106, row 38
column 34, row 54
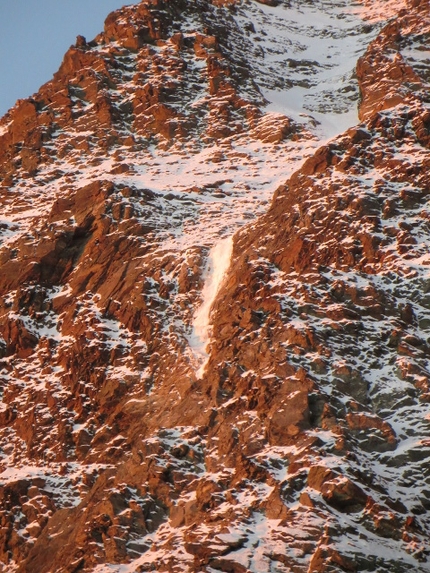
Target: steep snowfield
column 304, row 57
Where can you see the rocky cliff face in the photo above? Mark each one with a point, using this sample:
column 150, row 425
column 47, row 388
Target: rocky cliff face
column 214, row 294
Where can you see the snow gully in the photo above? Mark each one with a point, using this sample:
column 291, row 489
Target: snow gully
column 217, row 265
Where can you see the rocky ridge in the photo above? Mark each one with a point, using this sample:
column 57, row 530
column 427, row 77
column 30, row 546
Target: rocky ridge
column 298, row 442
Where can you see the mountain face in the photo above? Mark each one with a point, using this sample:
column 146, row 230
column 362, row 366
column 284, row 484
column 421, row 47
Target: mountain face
column 214, row 291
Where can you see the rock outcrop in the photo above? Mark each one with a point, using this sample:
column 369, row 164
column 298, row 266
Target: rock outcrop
column 293, row 434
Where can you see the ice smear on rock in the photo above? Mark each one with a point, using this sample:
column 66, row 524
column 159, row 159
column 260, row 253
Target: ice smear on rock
column 217, row 265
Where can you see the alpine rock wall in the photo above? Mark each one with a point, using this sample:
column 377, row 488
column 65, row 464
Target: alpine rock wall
column 214, row 294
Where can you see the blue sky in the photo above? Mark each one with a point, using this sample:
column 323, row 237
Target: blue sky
column 34, row 35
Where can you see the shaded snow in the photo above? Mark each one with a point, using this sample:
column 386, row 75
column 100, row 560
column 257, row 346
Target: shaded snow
column 305, row 58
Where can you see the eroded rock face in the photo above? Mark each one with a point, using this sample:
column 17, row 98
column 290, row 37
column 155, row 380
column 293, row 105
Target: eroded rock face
column 392, row 71
column 297, row 441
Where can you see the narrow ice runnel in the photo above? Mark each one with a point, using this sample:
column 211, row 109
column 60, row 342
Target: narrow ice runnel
column 216, row 267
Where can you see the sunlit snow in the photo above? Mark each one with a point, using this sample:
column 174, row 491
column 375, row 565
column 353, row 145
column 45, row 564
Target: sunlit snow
column 216, row 268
